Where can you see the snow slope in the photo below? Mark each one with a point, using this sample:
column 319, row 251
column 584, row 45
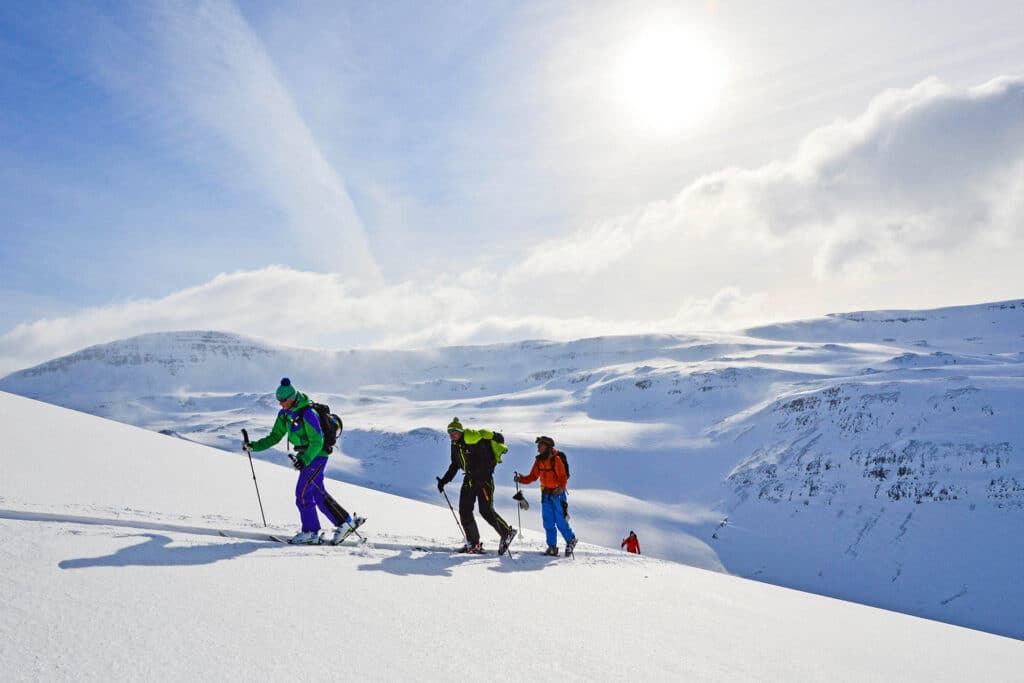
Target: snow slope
column 114, row 569
column 870, row 456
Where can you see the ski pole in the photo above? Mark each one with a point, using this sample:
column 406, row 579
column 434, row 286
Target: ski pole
column 443, row 493
column 519, row 508
column 248, row 449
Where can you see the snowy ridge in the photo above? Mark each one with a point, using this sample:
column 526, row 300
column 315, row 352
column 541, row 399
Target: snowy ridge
column 115, row 569
column 872, row 456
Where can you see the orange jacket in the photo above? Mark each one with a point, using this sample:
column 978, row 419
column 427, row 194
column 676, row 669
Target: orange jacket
column 632, row 544
column 551, row 472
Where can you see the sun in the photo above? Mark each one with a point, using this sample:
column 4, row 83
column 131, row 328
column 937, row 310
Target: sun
column 668, row 81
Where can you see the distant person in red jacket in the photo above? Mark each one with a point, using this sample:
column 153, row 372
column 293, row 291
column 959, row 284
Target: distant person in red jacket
column 632, row 543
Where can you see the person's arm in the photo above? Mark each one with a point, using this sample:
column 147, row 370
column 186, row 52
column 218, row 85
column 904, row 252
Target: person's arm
column 279, row 430
column 452, row 469
column 525, row 479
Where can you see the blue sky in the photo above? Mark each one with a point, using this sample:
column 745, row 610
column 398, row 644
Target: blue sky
column 472, row 172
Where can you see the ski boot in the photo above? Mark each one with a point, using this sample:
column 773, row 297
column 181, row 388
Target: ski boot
column 570, row 547
column 473, row 549
column 551, row 551
column 506, row 540
column 306, row 538
column 347, row 529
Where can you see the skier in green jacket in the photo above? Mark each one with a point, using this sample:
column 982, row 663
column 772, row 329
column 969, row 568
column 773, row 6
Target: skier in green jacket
column 301, row 423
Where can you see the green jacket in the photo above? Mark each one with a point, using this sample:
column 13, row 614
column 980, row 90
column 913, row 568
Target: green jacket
column 304, row 434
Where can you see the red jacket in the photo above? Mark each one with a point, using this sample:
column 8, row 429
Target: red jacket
column 632, row 544
column 551, row 471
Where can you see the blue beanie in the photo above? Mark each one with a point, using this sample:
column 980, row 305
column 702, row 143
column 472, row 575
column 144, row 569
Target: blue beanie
column 286, row 391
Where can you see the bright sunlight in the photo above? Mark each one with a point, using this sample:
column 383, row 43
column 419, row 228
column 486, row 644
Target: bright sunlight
column 668, row 81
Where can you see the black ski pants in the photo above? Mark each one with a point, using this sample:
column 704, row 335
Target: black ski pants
column 481, row 494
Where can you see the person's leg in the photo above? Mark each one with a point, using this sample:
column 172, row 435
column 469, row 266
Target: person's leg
column 331, row 508
column 467, row 496
column 308, row 496
column 559, row 519
column 485, row 496
column 547, row 506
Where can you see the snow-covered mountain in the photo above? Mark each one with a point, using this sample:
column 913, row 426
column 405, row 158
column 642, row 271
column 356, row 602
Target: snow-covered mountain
column 871, row 456
column 130, row 556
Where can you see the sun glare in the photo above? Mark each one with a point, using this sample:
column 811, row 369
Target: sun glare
column 668, row 81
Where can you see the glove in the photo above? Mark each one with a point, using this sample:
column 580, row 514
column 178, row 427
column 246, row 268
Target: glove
column 556, row 492
column 523, row 504
column 440, row 485
column 296, row 462
column 515, row 477
column 246, row 447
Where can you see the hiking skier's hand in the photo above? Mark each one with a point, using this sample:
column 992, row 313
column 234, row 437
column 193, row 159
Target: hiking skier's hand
column 440, row 485
column 296, row 462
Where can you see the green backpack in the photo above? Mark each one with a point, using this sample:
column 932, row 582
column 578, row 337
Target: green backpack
column 497, row 439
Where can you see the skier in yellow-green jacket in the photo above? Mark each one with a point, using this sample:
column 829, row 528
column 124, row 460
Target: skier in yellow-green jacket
column 476, row 452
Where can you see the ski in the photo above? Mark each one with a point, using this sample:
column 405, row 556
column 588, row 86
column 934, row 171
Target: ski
column 442, row 549
column 284, row 540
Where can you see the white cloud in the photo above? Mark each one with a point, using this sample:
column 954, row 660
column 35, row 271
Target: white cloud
column 915, row 203
column 920, row 173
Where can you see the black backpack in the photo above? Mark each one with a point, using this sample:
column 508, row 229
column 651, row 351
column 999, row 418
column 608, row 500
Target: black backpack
column 331, row 425
column 565, row 462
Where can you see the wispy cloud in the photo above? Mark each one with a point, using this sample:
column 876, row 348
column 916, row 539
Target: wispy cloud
column 200, row 75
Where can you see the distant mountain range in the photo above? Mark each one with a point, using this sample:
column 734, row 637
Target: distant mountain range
column 871, row 456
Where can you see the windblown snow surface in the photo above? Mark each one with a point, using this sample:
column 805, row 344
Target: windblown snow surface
column 874, row 456
column 114, row 567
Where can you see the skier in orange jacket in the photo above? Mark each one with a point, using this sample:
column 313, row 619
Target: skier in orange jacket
column 632, row 543
column 550, row 468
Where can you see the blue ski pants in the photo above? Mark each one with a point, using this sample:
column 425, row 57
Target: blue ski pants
column 551, row 512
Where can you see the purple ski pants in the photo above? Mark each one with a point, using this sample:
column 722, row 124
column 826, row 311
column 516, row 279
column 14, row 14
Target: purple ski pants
column 309, row 495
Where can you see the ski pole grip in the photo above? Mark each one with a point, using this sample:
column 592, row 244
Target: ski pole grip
column 245, row 438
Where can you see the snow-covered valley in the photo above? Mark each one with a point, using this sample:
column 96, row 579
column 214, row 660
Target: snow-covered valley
column 873, row 457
